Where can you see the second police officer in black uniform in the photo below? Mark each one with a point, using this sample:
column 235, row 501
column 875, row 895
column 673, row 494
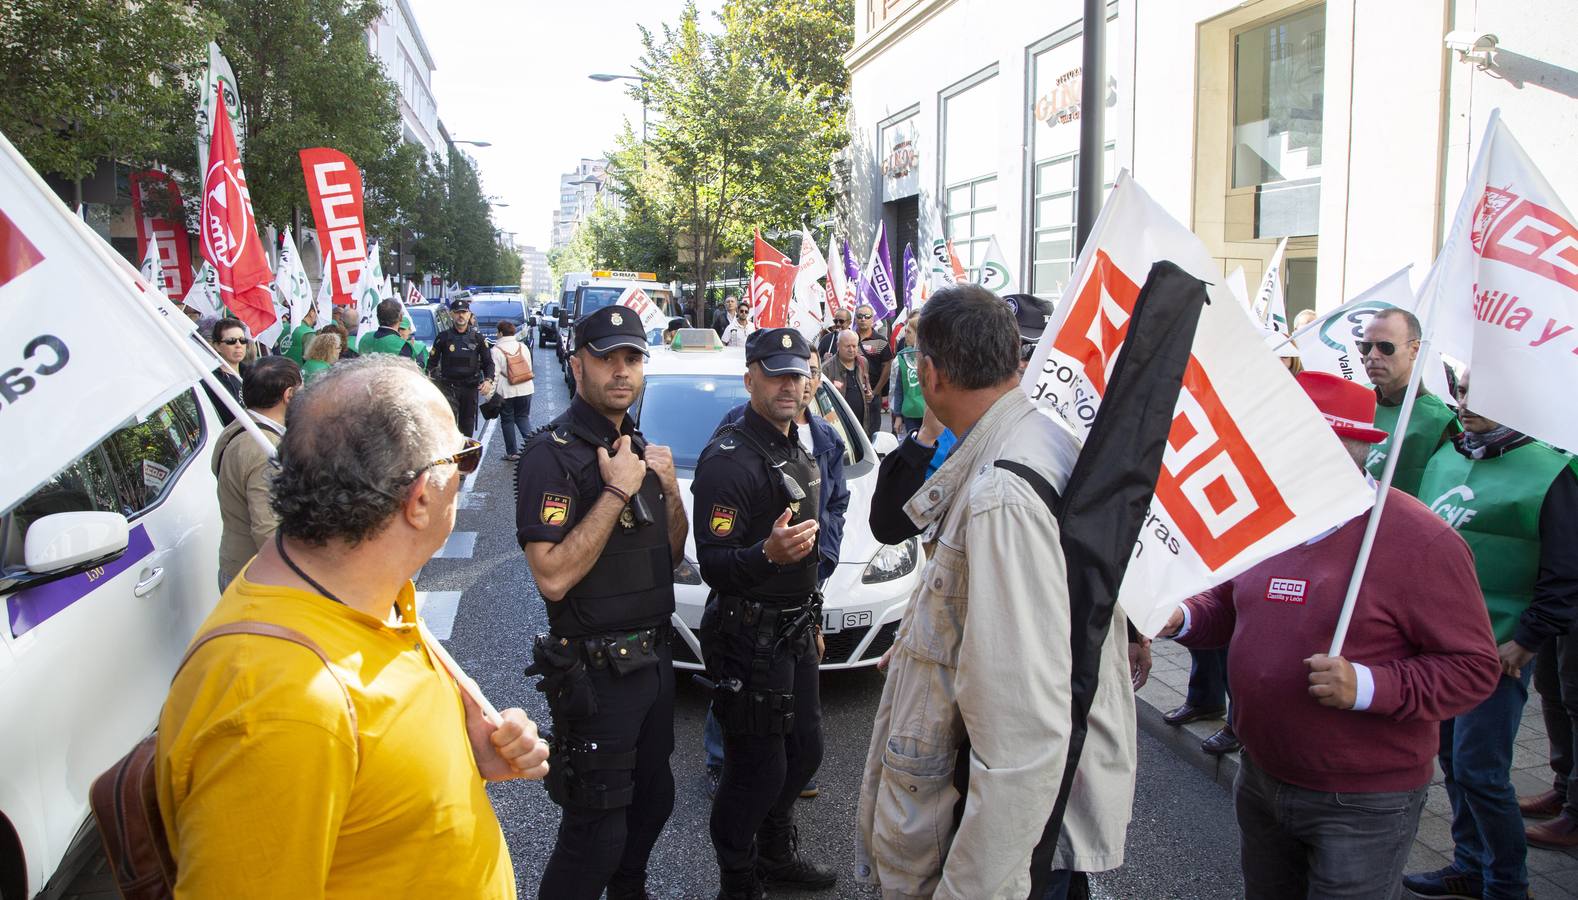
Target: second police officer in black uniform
column 461, row 363
column 756, row 500
column 599, row 515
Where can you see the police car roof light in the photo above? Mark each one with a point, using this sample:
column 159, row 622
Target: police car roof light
column 697, row 340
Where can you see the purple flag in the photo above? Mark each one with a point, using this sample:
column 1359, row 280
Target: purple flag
column 911, row 278
column 876, row 283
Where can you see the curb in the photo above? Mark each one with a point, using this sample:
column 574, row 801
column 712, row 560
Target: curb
column 1185, row 741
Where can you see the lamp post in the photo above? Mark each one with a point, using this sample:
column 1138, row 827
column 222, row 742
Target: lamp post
column 604, row 77
column 472, row 143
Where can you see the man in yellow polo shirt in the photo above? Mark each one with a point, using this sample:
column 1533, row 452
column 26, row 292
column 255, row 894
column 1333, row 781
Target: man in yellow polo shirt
column 282, row 776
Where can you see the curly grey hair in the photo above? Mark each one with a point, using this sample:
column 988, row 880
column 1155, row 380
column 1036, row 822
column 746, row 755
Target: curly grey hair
column 355, row 440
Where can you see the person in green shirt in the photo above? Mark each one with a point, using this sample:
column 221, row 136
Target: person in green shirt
column 1389, row 349
column 293, row 343
column 406, row 328
column 323, row 352
column 908, row 406
column 387, row 338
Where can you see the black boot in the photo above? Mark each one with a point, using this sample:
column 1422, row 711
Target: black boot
column 624, row 891
column 780, row 864
column 740, row 886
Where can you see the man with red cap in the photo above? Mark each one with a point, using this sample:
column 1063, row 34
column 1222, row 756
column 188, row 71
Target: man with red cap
column 1338, row 751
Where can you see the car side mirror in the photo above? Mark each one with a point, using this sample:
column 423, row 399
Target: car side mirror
column 884, row 443
column 62, row 541
column 564, row 320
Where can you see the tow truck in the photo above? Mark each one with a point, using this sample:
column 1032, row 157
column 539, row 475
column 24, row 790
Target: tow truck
column 606, row 287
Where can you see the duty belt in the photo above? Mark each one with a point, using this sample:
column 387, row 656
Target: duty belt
column 624, row 651
column 768, row 627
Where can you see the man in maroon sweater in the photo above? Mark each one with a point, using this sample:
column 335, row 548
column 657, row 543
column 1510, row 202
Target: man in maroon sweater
column 1338, row 751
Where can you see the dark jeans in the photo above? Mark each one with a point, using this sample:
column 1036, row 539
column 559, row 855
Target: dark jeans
column 764, row 774
column 1476, row 755
column 463, row 403
column 1556, row 678
column 873, row 420
column 597, row 848
column 1207, row 679
column 515, row 419
column 1295, row 842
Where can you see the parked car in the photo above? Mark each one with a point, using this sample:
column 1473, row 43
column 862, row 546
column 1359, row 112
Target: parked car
column 427, row 321
column 686, row 396
column 106, row 571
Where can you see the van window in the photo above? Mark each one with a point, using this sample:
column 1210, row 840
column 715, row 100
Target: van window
column 144, row 458
column 827, row 406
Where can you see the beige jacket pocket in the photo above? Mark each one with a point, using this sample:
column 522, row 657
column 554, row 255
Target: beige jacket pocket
column 915, row 805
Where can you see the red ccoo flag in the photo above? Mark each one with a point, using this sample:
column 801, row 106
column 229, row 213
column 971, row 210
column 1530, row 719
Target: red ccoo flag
column 772, row 284
column 230, row 239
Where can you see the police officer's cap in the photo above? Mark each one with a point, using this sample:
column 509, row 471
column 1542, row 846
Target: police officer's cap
column 1031, row 313
column 460, row 306
column 780, row 351
column 610, row 328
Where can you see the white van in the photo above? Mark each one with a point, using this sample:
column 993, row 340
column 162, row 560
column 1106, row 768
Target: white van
column 93, row 632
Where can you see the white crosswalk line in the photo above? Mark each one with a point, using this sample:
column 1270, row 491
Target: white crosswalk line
column 438, row 608
column 461, row 545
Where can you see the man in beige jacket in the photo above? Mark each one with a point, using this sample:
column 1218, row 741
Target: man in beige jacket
column 244, row 470
column 979, row 680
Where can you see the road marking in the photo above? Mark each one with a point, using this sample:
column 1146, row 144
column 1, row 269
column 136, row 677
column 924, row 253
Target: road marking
column 460, row 545
column 474, row 500
column 487, row 435
column 438, row 608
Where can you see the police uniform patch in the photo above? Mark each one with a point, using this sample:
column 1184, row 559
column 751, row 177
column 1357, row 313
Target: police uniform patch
column 787, row 342
column 555, row 509
column 616, row 319
column 723, row 521
column 451, row 348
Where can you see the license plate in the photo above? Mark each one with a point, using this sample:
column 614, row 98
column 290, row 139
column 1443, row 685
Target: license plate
column 835, row 620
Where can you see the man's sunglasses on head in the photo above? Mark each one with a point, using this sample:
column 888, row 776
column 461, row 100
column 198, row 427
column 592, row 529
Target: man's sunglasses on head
column 1387, row 348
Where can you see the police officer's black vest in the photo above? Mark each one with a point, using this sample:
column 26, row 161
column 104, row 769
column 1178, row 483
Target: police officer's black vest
column 461, row 357
column 794, row 583
column 632, row 583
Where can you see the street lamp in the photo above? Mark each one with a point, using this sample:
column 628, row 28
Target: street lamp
column 472, row 143
column 605, row 78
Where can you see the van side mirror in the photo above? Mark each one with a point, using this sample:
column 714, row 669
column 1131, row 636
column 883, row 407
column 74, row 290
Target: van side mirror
column 62, row 541
column 564, row 320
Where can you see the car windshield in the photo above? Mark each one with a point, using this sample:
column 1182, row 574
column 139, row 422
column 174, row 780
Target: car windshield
column 496, row 309
column 595, row 298
column 682, row 411
column 422, row 322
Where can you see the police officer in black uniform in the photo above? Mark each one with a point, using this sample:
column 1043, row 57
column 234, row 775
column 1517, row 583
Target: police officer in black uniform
column 460, row 364
column 599, row 515
column 756, row 501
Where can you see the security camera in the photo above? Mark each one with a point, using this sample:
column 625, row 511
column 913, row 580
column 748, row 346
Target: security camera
column 1471, row 46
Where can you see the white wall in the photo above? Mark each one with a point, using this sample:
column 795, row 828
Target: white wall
column 396, row 41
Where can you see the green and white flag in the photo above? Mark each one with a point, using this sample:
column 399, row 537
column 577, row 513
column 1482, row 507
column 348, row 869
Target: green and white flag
column 290, row 282
column 152, row 272
column 204, row 295
column 325, row 300
column 995, row 274
column 218, row 81
column 369, row 285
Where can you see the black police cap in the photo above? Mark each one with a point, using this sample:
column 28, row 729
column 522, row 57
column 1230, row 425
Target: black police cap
column 605, row 330
column 780, row 351
column 1031, row 314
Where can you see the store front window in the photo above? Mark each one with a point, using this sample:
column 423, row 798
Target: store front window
column 971, row 129
column 1278, row 102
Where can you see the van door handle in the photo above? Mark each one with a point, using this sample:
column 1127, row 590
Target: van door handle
column 149, row 581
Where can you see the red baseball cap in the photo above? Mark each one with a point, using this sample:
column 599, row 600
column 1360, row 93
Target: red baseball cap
column 1347, row 406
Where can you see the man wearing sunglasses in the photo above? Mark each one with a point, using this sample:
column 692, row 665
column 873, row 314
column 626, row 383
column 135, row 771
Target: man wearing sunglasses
column 1389, row 349
column 599, row 515
column 757, row 493
column 827, row 341
column 1515, row 501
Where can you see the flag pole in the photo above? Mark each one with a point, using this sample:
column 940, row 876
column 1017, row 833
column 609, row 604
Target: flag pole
column 1430, row 294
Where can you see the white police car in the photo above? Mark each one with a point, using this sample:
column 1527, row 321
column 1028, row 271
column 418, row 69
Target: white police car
column 105, row 573
column 687, row 394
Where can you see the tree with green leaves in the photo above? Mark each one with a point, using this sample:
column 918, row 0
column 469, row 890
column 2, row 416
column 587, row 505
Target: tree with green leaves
column 101, row 79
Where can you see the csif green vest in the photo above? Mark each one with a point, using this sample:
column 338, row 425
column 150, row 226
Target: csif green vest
column 293, row 343
column 1495, row 505
column 391, row 344
column 914, row 405
column 1428, row 431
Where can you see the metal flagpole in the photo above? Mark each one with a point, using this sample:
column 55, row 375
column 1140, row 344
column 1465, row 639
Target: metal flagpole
column 1430, row 294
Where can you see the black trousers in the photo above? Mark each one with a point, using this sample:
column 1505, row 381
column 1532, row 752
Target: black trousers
column 764, row 774
column 1556, row 678
column 463, row 403
column 600, row 848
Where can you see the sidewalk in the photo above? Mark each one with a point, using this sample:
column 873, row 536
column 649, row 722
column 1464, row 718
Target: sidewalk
column 1553, row 875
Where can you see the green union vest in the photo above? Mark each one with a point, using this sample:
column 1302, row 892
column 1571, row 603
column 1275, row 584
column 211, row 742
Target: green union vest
column 391, row 343
column 1495, row 505
column 293, row 343
column 1427, row 432
column 914, row 405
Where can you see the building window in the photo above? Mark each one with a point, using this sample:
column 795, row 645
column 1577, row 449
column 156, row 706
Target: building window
column 970, row 126
column 1278, row 101
column 1056, row 199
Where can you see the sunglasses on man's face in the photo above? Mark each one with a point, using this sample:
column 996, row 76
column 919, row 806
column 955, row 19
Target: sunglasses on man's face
column 234, row 342
column 1387, row 348
column 467, row 460
column 863, row 315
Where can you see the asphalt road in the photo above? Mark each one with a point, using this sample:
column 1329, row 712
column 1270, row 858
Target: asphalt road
column 1182, row 843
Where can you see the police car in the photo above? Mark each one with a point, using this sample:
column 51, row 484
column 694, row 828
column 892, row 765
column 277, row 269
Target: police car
column 687, row 393
column 106, row 571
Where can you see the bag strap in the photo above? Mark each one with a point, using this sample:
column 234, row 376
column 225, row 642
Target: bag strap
column 268, row 629
column 1040, row 485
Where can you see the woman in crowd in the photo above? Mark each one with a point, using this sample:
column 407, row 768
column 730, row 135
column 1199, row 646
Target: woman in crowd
column 322, row 351
column 512, row 362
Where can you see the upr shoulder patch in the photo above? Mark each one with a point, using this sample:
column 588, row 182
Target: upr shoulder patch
column 555, row 509
column 722, row 521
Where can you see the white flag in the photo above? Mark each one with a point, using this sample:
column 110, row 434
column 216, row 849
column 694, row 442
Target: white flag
column 152, row 270
column 995, row 274
column 386, row 290
column 367, row 293
column 652, row 318
column 807, row 304
column 1327, row 344
column 204, row 294
column 1270, row 306
column 837, row 288
column 413, row 296
column 290, row 282
column 1251, row 468
column 939, row 258
column 324, row 302
column 218, row 83
column 64, row 358
column 1504, row 293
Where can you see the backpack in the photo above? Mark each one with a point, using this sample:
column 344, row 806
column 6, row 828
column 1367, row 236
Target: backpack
column 125, row 799
column 517, row 368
